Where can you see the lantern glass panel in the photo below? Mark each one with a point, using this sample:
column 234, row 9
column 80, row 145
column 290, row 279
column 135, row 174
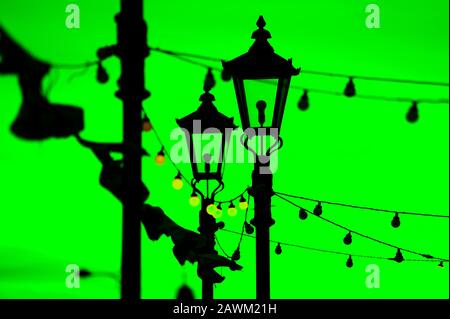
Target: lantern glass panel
column 207, row 148
column 261, row 114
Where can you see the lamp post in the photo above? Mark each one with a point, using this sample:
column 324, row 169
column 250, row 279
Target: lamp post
column 132, row 50
column 261, row 114
column 207, row 163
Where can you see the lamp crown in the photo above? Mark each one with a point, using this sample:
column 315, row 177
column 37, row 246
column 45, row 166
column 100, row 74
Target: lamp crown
column 261, row 23
column 261, row 35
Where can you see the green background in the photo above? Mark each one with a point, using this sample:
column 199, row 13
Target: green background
column 53, row 211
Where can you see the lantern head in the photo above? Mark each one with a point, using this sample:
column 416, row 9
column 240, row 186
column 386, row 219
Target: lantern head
column 207, row 135
column 253, row 73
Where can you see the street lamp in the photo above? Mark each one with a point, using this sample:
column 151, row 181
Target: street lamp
column 252, row 74
column 261, row 113
column 207, row 124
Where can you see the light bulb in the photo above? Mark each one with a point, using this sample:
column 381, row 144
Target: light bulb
column 349, row 262
column 85, row 273
column 236, row 255
column 350, row 89
column 395, row 221
column 399, row 256
column 146, row 125
column 209, row 81
column 177, row 182
column 194, row 200
column 160, row 157
column 261, row 106
column 211, row 209
column 303, row 214
column 218, row 212
column 102, row 75
column 232, row 211
column 249, row 229
column 278, row 249
column 348, row 238
column 413, row 113
column 243, row 205
column 303, row 103
column 318, row 209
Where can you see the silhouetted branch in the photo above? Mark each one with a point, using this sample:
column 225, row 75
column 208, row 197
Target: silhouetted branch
column 188, row 245
column 111, row 176
column 38, row 119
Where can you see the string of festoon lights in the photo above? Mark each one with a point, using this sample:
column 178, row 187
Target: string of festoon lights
column 303, row 104
column 349, row 91
column 347, row 240
column 180, row 179
column 247, row 230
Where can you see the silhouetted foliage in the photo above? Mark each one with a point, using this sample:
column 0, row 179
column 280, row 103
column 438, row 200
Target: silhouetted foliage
column 38, row 119
column 111, row 176
column 188, row 245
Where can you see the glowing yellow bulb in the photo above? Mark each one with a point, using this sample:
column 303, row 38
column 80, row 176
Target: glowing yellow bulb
column 194, row 201
column 160, row 158
column 232, row 211
column 243, row 205
column 211, row 209
column 146, row 126
column 177, row 183
column 218, row 212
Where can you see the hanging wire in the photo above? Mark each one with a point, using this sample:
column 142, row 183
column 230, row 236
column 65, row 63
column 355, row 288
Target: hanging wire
column 184, row 54
column 245, row 220
column 188, row 58
column 80, row 73
column 155, row 131
column 366, row 96
column 53, row 78
column 361, row 234
column 221, row 248
column 374, row 78
column 233, row 198
column 313, row 90
column 361, row 207
column 193, row 62
column 75, row 65
column 332, row 251
column 320, row 73
column 241, row 233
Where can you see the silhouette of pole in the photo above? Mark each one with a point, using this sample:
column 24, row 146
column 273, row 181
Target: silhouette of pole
column 207, row 228
column 261, row 190
column 132, row 50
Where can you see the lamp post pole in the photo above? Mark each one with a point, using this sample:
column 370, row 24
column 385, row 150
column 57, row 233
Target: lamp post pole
column 261, row 63
column 207, row 228
column 132, row 50
column 262, row 192
column 211, row 120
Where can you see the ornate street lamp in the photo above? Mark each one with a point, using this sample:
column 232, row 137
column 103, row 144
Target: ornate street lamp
column 261, row 113
column 261, row 65
column 207, row 124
